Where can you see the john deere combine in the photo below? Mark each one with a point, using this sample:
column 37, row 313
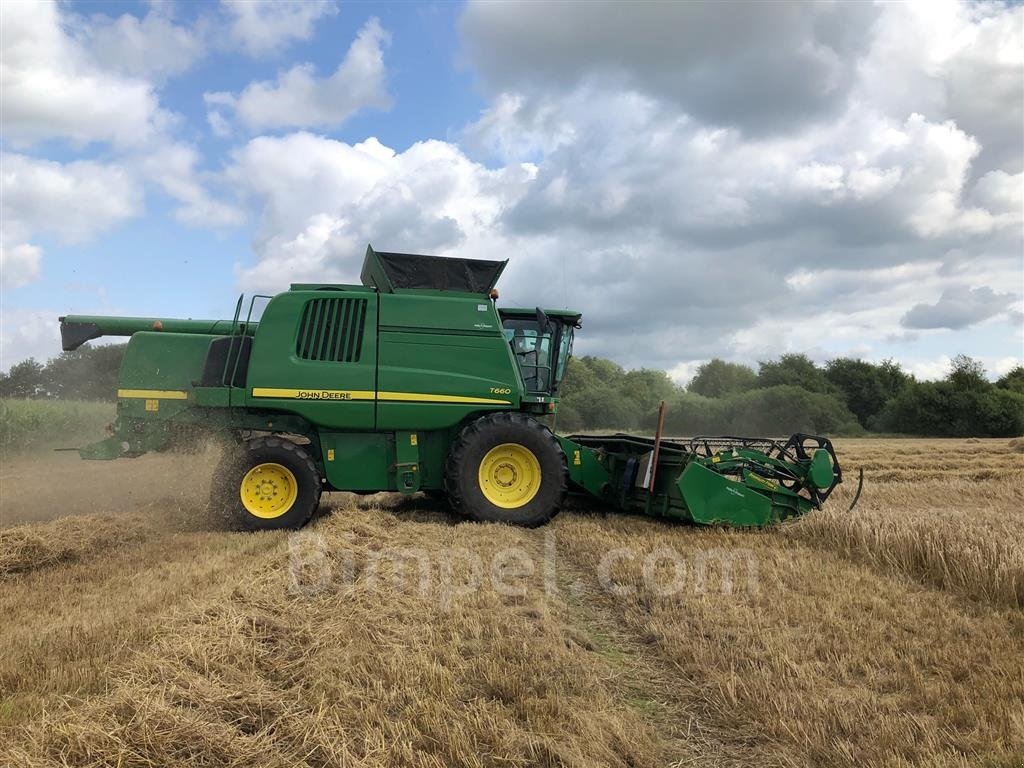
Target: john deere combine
column 417, row 381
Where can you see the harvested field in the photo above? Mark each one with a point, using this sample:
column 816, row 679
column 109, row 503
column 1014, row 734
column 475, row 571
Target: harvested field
column 391, row 633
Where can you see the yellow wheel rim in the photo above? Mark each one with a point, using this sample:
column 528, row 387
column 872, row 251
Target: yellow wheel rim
column 509, row 475
column 268, row 490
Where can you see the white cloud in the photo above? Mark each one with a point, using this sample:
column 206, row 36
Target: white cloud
column 322, row 200
column 261, row 28
column 218, row 124
column 952, row 60
column 153, row 46
column 28, row 333
column 298, row 98
column 19, row 265
column 172, row 167
column 682, row 373
column 74, row 201
column 52, row 88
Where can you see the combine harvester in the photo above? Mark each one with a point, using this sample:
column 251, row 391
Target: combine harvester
column 416, row 381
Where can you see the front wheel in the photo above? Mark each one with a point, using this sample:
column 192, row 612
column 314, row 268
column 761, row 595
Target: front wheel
column 506, row 467
column 269, row 484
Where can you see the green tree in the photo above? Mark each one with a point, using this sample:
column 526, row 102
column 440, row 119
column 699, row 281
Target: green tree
column 87, row 373
column 967, row 373
column 717, row 378
column 648, row 386
column 793, row 370
column 865, row 387
column 1013, row 380
column 25, row 379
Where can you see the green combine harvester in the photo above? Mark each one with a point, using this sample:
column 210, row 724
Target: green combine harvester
column 417, row 381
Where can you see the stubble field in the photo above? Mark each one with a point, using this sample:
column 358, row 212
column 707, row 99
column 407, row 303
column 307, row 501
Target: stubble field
column 391, row 633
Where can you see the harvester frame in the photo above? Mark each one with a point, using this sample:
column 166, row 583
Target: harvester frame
column 415, row 380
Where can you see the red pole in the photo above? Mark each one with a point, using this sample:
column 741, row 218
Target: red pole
column 657, row 445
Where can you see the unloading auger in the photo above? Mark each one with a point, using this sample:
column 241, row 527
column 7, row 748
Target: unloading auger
column 413, row 381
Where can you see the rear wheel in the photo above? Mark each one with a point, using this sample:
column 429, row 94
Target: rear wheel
column 269, row 483
column 506, row 467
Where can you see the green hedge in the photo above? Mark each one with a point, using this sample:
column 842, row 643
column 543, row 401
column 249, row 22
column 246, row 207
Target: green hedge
column 942, row 409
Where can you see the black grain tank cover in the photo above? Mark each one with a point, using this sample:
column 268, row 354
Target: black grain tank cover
column 388, row 272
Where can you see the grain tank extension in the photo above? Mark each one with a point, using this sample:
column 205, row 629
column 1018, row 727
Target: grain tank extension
column 417, row 381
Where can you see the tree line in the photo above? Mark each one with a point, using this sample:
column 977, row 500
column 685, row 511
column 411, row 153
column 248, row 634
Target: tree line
column 791, row 394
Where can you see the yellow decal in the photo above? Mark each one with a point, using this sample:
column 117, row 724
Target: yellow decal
column 153, row 394
column 501, row 391
column 762, row 480
column 576, row 458
column 312, row 394
column 152, row 405
column 336, row 394
column 715, row 459
column 330, row 454
column 412, row 439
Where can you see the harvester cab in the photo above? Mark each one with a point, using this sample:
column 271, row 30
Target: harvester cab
column 413, row 381
column 541, row 341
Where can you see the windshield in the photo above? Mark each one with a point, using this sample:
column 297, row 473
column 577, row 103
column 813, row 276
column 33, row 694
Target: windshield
column 535, row 351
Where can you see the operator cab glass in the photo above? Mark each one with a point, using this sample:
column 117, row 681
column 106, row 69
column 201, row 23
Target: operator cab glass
column 541, row 344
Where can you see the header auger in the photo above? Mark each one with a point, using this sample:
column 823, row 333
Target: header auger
column 416, row 380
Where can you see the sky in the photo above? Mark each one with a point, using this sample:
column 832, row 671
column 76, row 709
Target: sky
column 700, row 180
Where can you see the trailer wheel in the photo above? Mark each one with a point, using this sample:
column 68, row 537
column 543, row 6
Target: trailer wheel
column 506, row 467
column 269, row 484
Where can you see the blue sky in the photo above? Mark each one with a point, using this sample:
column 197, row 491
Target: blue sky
column 700, row 180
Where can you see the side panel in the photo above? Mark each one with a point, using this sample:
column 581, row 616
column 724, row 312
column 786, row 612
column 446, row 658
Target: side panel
column 157, row 372
column 365, row 461
column 441, row 359
column 315, row 354
column 357, row 461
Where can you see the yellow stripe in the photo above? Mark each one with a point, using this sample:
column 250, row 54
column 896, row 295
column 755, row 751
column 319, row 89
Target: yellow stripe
column 338, row 394
column 154, row 394
column 415, row 397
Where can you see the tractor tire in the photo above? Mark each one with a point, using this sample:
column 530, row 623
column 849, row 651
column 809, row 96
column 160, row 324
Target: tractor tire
column 506, row 467
column 267, row 484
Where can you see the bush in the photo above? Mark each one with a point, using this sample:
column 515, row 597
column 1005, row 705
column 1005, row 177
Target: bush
column 943, row 409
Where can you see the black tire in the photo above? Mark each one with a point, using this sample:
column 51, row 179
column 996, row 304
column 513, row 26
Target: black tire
column 462, row 467
column 225, row 497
